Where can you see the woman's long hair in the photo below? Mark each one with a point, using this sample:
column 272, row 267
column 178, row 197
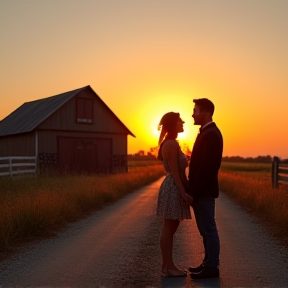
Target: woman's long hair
column 167, row 126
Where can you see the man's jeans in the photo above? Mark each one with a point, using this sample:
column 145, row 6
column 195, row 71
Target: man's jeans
column 204, row 211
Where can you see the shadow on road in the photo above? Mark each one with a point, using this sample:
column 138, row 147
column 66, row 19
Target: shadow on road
column 181, row 282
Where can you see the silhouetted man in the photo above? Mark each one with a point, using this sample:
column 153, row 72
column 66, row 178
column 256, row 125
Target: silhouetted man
column 203, row 186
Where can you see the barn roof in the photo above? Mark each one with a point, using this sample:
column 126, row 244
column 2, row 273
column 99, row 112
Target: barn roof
column 29, row 115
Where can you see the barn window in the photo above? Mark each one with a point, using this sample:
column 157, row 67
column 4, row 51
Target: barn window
column 84, row 113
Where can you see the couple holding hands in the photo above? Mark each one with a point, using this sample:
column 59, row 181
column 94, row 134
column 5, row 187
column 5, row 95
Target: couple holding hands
column 177, row 193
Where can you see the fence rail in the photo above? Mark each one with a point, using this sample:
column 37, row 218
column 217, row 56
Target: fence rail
column 16, row 165
column 279, row 172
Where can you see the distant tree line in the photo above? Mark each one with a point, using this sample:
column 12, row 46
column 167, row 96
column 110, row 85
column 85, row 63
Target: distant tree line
column 258, row 159
column 136, row 157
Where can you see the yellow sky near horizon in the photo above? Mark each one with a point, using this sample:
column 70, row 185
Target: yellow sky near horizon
column 146, row 58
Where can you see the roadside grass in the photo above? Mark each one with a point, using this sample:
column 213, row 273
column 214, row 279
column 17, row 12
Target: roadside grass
column 141, row 163
column 245, row 167
column 249, row 184
column 35, row 207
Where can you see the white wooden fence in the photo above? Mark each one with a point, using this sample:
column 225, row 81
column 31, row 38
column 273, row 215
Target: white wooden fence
column 15, row 165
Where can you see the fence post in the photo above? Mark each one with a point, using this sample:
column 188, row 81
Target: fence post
column 275, row 168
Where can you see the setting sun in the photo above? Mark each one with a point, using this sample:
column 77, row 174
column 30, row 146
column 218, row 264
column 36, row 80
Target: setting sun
column 161, row 101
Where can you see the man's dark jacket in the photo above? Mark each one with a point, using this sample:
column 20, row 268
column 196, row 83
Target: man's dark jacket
column 205, row 162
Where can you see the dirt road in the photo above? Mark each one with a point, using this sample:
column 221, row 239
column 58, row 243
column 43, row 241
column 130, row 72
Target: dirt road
column 118, row 247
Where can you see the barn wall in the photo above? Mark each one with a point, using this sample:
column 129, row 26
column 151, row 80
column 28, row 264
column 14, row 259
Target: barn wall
column 65, row 117
column 24, row 145
column 48, row 145
column 18, row 145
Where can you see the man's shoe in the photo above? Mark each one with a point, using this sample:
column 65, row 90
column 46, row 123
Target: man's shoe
column 196, row 269
column 207, row 272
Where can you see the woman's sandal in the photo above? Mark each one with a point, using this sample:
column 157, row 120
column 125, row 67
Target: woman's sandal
column 171, row 274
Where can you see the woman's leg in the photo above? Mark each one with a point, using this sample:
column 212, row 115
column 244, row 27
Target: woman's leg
column 166, row 243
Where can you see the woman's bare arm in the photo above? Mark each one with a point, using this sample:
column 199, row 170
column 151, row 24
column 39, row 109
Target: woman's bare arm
column 170, row 152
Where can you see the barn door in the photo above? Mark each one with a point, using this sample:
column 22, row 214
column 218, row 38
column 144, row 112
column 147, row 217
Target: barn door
column 85, row 156
column 104, row 155
column 92, row 155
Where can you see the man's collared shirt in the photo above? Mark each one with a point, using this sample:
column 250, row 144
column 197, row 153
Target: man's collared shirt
column 202, row 127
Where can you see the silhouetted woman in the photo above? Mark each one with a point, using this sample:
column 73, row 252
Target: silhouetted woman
column 173, row 202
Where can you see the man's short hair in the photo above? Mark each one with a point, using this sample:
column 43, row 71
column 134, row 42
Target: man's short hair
column 205, row 105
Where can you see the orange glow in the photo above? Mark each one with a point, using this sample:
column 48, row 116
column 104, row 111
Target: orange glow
column 143, row 69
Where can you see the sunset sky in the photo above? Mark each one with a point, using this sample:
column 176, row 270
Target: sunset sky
column 146, row 58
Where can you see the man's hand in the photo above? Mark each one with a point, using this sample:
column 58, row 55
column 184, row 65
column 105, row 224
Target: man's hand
column 188, row 199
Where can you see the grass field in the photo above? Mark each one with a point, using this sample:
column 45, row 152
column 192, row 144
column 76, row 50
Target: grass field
column 249, row 184
column 143, row 163
column 31, row 207
column 246, row 167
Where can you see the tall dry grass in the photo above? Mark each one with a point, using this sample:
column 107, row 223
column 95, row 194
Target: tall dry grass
column 32, row 207
column 250, row 185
